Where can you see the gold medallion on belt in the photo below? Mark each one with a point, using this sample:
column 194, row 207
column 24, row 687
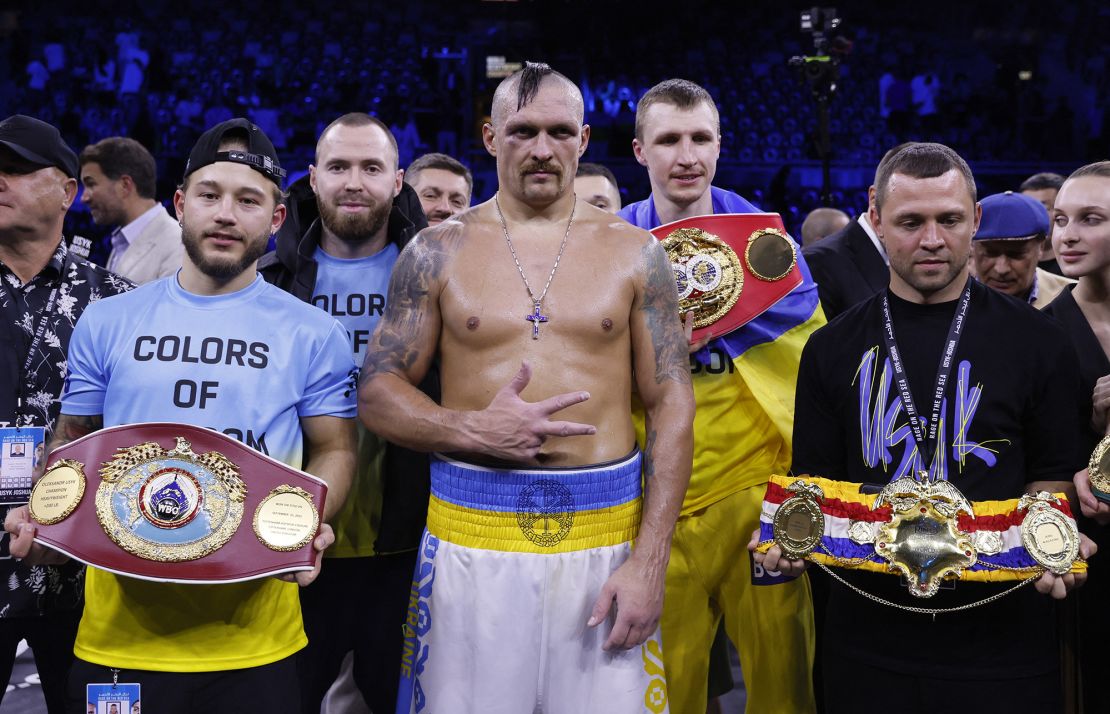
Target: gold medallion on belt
column 708, row 274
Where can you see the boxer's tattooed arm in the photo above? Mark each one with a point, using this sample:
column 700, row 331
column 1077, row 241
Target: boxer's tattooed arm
column 70, row 427
column 409, row 328
column 660, row 308
column 649, row 454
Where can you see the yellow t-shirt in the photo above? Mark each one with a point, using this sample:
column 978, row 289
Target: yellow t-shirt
column 357, row 523
column 167, row 627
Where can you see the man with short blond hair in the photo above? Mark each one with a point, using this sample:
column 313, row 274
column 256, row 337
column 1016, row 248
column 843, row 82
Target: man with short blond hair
column 743, row 384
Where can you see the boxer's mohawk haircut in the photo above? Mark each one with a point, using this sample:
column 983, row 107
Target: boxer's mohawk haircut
column 528, row 85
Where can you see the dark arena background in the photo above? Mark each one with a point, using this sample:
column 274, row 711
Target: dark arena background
column 1016, row 88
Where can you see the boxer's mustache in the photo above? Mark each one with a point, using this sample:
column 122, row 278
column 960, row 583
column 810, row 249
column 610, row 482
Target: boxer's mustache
column 541, row 167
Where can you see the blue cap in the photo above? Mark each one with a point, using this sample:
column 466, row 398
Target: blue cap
column 1012, row 216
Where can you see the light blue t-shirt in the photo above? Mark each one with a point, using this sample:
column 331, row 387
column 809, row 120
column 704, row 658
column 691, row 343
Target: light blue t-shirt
column 353, row 291
column 249, row 364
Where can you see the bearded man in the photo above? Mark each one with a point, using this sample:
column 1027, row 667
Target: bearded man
column 341, row 263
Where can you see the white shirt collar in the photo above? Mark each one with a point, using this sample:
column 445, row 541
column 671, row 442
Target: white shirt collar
column 867, row 228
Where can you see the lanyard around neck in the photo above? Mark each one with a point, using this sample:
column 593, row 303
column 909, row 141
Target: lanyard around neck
column 927, row 443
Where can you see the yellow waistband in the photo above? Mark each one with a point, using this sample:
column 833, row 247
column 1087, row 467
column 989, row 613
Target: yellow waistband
column 524, row 532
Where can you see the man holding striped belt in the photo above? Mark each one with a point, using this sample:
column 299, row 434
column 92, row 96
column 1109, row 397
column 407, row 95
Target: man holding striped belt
column 941, row 380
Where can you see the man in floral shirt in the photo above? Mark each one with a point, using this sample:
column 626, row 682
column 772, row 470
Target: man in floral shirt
column 44, row 288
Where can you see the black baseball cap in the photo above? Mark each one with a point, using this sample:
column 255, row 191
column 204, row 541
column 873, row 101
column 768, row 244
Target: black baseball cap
column 38, row 142
column 260, row 154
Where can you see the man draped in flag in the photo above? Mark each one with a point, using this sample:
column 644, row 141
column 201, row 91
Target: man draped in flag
column 744, row 389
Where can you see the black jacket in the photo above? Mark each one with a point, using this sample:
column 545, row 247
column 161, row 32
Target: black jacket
column 292, row 267
column 846, row 268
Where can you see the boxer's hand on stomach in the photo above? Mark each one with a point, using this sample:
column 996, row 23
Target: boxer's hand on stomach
column 514, row 430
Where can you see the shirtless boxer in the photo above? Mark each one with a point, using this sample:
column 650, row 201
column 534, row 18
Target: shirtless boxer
column 530, row 523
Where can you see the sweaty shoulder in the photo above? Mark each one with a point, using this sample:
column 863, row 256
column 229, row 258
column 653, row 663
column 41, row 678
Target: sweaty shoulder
column 612, row 228
column 429, row 248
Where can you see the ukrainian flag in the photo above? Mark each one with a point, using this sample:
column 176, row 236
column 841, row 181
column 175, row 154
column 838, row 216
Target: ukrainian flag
column 743, row 382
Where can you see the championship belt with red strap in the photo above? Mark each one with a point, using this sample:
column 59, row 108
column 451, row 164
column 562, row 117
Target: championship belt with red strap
column 730, row 267
column 167, row 502
column 922, row 529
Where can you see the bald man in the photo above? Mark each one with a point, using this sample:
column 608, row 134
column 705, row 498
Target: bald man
column 535, row 306
column 822, row 222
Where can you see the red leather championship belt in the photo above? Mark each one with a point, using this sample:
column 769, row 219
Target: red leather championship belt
column 729, row 267
column 176, row 503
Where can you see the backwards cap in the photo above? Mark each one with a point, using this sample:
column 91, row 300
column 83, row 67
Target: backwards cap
column 260, row 154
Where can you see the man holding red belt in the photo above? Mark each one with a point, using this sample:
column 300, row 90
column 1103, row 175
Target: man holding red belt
column 213, row 345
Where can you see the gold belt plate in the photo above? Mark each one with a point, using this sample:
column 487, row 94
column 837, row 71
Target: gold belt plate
column 169, row 506
column 707, row 272
column 923, row 541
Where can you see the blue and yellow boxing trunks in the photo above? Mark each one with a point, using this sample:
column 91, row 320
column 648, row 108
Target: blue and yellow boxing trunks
column 509, row 568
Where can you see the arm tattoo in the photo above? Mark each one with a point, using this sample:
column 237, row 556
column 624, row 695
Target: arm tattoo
column 70, row 427
column 649, row 455
column 660, row 308
column 396, row 344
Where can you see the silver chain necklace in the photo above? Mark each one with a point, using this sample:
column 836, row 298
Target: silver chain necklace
column 537, row 302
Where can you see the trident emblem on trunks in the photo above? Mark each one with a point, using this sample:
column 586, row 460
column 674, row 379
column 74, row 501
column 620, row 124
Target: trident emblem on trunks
column 545, row 512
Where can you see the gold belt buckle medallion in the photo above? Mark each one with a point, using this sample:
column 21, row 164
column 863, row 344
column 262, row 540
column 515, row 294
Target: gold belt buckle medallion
column 799, row 523
column 169, row 506
column 708, row 274
column 923, row 541
column 1098, row 469
column 287, row 519
column 770, row 254
column 1050, row 537
column 58, row 492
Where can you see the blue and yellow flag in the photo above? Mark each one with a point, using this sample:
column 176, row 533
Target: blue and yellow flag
column 744, row 381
